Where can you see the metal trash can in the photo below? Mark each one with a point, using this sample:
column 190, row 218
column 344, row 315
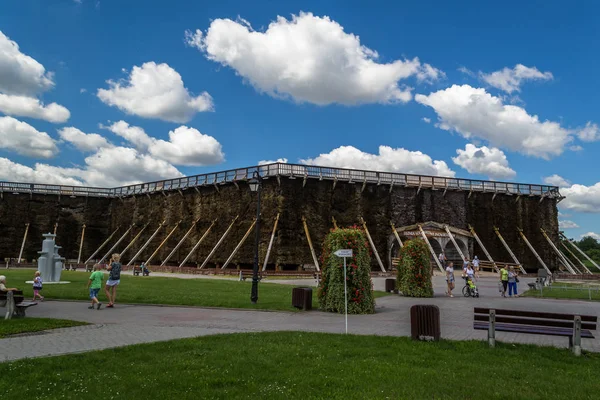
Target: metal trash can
column 425, row 322
column 390, row 285
column 302, row 298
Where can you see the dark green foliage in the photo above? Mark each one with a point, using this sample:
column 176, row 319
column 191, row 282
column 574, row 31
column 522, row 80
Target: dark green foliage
column 358, row 270
column 414, row 270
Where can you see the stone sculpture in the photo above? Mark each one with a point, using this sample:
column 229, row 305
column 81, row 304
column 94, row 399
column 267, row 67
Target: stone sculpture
column 49, row 262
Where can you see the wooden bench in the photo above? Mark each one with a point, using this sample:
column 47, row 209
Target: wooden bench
column 138, row 270
column 543, row 279
column 572, row 326
column 246, row 275
column 15, row 303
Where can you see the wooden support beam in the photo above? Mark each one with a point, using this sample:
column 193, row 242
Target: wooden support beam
column 419, row 189
column 535, row 253
column 23, row 242
column 470, row 193
column 489, row 257
column 312, row 250
column 335, row 182
column 573, row 266
column 197, row 244
column 271, row 243
column 334, row 222
column 133, row 240
column 494, row 197
column 391, row 187
column 116, row 244
column 396, row 234
column 180, row 192
column 81, row 244
column 564, row 260
column 582, row 253
column 364, row 185
column 196, row 189
column 437, row 261
column 236, row 185
column 509, row 250
column 364, row 224
column 239, row 245
column 147, row 263
column 278, row 180
column 462, row 256
column 304, row 180
column 518, row 198
column 147, row 243
column 179, row 243
column 213, row 251
column 445, row 190
column 102, row 245
column 583, row 266
column 55, row 228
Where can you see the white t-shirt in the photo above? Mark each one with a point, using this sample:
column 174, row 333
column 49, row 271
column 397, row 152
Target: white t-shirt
column 476, row 262
column 449, row 273
column 470, row 272
column 2, row 287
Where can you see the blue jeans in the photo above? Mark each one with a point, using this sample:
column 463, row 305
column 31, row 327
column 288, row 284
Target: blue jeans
column 512, row 287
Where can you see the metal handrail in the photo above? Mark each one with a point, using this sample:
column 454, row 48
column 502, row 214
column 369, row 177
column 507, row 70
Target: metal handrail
column 291, row 171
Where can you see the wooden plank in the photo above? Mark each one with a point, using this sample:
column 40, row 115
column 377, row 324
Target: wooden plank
column 546, row 315
column 535, row 321
column 533, row 330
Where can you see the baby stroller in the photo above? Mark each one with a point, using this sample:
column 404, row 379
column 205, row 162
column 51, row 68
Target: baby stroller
column 470, row 290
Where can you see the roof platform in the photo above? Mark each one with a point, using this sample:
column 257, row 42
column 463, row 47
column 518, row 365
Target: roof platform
column 291, row 171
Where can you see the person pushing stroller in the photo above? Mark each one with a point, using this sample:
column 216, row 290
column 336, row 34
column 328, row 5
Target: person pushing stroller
column 470, row 289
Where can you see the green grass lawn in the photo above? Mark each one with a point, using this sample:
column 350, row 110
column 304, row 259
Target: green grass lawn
column 23, row 325
column 172, row 291
column 289, row 365
column 557, row 291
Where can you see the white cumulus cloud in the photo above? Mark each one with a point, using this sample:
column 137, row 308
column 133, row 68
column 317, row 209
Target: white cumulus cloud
column 566, row 224
column 592, row 235
column 309, row 59
column 556, row 180
column 24, row 139
column 279, row 160
column 581, row 198
column 20, row 74
column 474, row 113
column 388, row 159
column 186, row 146
column 155, row 91
column 589, row 133
column 483, row 160
column 511, row 79
column 83, row 141
column 24, row 106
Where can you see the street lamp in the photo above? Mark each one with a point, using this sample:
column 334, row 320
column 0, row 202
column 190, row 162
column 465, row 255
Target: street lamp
column 255, row 186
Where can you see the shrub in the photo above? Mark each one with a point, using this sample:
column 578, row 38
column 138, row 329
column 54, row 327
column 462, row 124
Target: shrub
column 414, row 270
column 358, row 273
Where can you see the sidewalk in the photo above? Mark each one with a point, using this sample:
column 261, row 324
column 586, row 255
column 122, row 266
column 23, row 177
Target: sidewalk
column 133, row 324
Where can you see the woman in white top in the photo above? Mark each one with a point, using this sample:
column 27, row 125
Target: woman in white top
column 470, row 272
column 450, row 278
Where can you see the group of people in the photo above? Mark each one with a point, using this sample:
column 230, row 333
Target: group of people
column 508, row 276
column 470, row 272
column 37, row 286
column 110, row 288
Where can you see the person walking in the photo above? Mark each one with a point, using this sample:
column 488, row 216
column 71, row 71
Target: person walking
column 476, row 267
column 114, row 279
column 442, row 258
column 94, row 285
column 37, row 286
column 450, row 278
column 512, row 282
column 504, row 279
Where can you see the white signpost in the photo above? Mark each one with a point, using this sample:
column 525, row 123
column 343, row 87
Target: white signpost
column 345, row 253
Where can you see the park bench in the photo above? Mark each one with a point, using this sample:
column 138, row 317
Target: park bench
column 543, row 279
column 248, row 275
column 15, row 303
column 572, row 326
column 138, row 270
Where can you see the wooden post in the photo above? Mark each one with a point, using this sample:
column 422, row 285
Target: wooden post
column 582, row 253
column 489, row 257
column 239, row 244
column 437, row 261
column 270, row 243
column 81, row 244
column 575, row 257
column 364, row 224
column 509, row 250
column 492, row 329
column 334, row 222
column 462, row 256
column 147, row 263
column 396, row 234
column 179, row 243
column 147, row 243
column 557, row 251
column 133, row 240
column 102, row 245
column 213, row 251
column 312, row 250
column 535, row 253
column 23, row 243
column 116, row 244
column 55, row 227
column 197, row 244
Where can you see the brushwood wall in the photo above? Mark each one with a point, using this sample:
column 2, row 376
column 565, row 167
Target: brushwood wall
column 292, row 199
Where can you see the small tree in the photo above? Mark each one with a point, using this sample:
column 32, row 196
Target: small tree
column 414, row 270
column 358, row 273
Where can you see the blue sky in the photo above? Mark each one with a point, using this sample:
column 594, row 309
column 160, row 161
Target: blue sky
column 502, row 90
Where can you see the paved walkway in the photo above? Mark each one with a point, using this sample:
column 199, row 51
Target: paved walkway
column 132, row 324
